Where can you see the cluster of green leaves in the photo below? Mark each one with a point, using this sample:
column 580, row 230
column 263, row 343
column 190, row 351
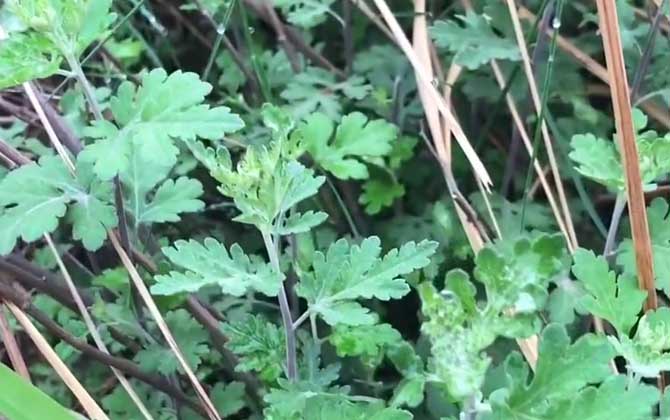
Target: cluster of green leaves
column 52, row 30
column 515, row 280
column 598, row 159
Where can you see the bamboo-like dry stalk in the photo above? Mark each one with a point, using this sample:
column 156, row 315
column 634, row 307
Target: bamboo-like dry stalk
column 609, row 27
column 425, row 80
column 87, row 402
column 441, row 134
column 438, row 127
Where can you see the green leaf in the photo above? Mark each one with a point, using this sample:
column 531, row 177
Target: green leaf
column 305, row 13
column 598, row 160
column 20, row 400
column 151, row 117
column 191, row 338
column 646, row 353
column 615, row 399
column 617, row 300
column 228, row 398
column 474, row 43
column 564, row 301
column 210, row 263
column 301, row 222
column 171, row 199
column 24, row 57
column 659, row 229
column 356, row 139
column 70, row 25
column 259, row 344
column 379, row 193
column 366, row 341
column 402, row 151
column 316, row 89
column 410, row 390
column 563, row 369
column 350, row 272
column 34, row 197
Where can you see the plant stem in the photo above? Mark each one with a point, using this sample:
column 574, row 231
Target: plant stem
column 469, row 409
column 284, row 308
column 541, row 112
column 302, row 318
column 315, row 331
column 75, row 66
column 619, row 206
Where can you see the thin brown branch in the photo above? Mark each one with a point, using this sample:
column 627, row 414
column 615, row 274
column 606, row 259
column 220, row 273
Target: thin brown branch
column 12, row 346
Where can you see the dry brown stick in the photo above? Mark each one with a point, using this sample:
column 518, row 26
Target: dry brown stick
column 12, row 346
column 89, row 405
column 424, row 79
column 609, row 27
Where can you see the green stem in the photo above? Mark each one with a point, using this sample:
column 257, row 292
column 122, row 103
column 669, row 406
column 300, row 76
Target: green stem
column 543, row 106
column 619, row 207
column 284, row 308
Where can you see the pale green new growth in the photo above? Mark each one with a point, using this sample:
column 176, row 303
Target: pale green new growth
column 646, row 353
column 474, row 44
column 460, row 328
column 34, row 197
column 56, row 29
column 348, row 272
column 211, row 264
column 598, row 159
column 268, row 181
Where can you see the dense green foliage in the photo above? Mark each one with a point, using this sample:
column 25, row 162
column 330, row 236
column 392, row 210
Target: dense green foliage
column 283, row 197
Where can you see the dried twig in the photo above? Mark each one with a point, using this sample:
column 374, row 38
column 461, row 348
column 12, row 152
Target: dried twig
column 87, row 402
column 12, row 346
